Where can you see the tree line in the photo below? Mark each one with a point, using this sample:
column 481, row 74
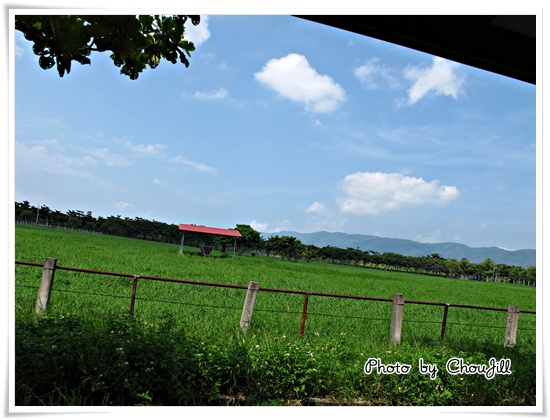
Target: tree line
column 285, row 247
column 293, row 249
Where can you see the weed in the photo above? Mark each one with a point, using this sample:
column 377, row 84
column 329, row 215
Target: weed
column 183, row 345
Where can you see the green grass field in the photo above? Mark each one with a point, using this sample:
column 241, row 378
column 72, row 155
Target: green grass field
column 340, row 334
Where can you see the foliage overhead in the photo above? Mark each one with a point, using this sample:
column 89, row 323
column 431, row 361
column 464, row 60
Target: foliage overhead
column 135, row 41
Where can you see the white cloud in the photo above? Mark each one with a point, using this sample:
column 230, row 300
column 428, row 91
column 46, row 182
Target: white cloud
column 433, row 237
column 317, row 208
column 316, row 123
column 145, row 149
column 329, row 223
column 18, row 51
column 293, row 78
column 282, row 225
column 201, row 167
column 43, row 158
column 158, row 182
column 48, row 142
column 123, row 205
column 215, row 95
column 258, row 226
column 371, row 74
column 197, row 34
column 441, row 78
column 37, row 149
column 43, row 123
column 90, row 160
column 109, row 158
column 376, row 192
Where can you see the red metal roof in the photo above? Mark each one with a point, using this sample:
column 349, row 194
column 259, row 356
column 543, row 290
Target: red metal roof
column 210, row 230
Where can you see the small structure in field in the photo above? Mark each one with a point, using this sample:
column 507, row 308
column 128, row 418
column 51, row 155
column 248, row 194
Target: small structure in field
column 205, row 249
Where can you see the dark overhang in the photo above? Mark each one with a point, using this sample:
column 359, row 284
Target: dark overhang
column 502, row 44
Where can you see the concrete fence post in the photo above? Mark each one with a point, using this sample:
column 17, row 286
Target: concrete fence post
column 249, row 303
column 46, row 283
column 511, row 326
column 397, row 318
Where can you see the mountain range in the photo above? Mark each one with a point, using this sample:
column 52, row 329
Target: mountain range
column 447, row 250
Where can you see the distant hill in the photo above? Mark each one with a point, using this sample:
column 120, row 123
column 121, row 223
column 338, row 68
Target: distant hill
column 522, row 257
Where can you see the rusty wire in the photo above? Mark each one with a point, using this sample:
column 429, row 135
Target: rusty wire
column 266, row 290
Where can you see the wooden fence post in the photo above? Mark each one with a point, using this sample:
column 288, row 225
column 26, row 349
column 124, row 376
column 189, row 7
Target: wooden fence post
column 46, row 283
column 304, row 314
column 133, row 297
column 397, row 318
column 444, row 323
column 511, row 326
column 249, row 303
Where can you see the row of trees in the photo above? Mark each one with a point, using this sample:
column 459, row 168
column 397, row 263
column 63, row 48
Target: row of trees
column 286, row 247
column 433, row 264
column 135, row 228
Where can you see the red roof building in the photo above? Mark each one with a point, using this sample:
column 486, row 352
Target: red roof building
column 210, row 231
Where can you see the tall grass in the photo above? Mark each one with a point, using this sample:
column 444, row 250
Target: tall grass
column 271, row 362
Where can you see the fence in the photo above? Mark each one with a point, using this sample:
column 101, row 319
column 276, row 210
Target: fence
column 50, row 266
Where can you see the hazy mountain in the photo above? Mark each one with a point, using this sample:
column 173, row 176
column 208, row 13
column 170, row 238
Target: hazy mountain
column 522, row 257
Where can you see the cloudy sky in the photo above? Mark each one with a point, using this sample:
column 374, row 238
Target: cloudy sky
column 284, row 124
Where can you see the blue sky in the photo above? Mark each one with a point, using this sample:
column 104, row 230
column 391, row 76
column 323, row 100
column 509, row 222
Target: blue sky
column 285, row 124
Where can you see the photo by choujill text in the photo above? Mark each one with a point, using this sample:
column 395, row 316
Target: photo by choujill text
column 454, row 366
